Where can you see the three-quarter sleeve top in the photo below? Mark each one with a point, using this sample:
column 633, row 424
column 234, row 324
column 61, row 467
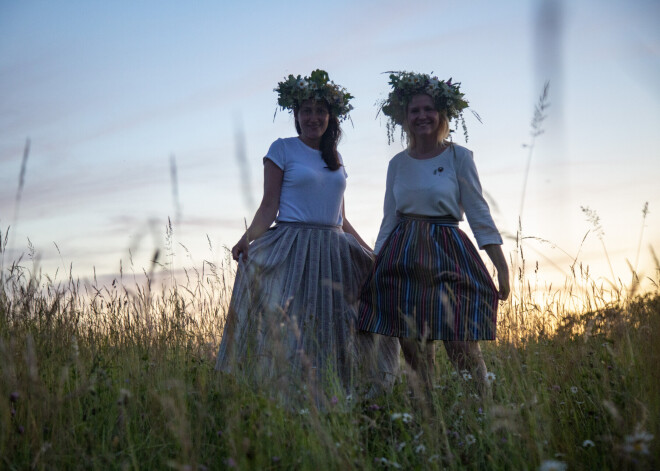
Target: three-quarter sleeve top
column 445, row 185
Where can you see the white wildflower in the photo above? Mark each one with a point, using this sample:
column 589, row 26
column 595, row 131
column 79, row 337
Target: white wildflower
column 574, row 389
column 405, row 417
column 588, row 444
column 302, row 84
column 420, row 449
column 638, row 442
column 466, row 375
column 304, row 411
column 553, row 465
column 470, row 440
column 400, row 446
column 490, row 377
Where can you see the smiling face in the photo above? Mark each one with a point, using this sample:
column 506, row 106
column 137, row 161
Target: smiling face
column 423, row 120
column 312, row 118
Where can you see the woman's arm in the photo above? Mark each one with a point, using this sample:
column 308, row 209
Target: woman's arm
column 497, row 257
column 267, row 211
column 348, row 228
column 390, row 219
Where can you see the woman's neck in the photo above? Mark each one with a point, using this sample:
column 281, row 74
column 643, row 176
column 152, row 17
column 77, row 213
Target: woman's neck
column 426, row 148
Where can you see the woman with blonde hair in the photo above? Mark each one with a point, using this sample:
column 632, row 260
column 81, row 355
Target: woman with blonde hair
column 429, row 282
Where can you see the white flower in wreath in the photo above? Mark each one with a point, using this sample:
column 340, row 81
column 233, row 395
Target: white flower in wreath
column 434, row 83
column 303, row 84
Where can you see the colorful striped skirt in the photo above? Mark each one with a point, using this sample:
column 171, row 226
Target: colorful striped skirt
column 292, row 319
column 429, row 282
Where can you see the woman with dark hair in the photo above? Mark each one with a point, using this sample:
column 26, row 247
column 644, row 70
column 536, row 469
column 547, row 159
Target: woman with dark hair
column 292, row 316
column 429, row 282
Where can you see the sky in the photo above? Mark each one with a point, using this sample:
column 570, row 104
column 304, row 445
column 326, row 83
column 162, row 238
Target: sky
column 140, row 113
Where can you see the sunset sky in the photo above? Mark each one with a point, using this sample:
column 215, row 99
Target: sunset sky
column 114, row 96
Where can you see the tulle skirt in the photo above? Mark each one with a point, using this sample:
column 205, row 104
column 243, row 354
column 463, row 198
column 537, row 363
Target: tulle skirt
column 292, row 320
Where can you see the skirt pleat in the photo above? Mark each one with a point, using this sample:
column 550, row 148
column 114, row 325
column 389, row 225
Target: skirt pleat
column 292, row 318
column 429, row 282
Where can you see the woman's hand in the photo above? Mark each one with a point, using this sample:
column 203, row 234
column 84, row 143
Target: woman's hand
column 503, row 283
column 241, row 248
column 497, row 257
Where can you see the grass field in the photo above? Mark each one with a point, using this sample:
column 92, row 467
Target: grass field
column 121, row 377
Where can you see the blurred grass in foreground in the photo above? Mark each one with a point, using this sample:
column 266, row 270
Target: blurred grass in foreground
column 121, row 377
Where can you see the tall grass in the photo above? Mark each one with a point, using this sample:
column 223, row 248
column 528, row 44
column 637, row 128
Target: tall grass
column 121, row 377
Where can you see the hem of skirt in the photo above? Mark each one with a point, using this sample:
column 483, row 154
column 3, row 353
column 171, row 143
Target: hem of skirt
column 398, row 335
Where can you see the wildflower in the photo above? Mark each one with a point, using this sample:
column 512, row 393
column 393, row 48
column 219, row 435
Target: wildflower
column 304, row 411
column 420, row 449
column 490, row 377
column 574, row 389
column 302, row 84
column 230, row 462
column 387, row 462
column 349, row 398
column 401, row 446
column 13, row 397
column 334, row 400
column 638, row 442
column 21, row 430
column 219, row 433
column 374, row 407
column 588, row 444
column 405, row 417
column 556, row 387
column 553, row 465
column 276, row 459
column 433, row 458
column 470, row 440
column 466, row 375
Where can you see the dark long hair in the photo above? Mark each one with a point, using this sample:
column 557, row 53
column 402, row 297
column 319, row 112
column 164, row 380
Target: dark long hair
column 329, row 140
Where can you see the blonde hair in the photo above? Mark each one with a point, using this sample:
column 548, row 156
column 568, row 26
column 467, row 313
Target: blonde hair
column 443, row 128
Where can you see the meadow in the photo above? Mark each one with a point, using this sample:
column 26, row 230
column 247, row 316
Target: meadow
column 122, row 377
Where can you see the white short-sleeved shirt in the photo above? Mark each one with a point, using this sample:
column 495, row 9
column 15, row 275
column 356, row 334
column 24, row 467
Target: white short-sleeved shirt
column 445, row 185
column 311, row 192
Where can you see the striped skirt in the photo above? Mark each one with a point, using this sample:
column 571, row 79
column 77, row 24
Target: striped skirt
column 292, row 320
column 429, row 282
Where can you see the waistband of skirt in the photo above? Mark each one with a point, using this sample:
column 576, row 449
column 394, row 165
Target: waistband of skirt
column 440, row 220
column 308, row 225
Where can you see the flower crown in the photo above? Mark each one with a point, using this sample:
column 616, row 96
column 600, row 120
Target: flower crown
column 446, row 96
column 294, row 90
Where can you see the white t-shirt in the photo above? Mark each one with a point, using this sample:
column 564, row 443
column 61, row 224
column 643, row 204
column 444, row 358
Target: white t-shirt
column 445, row 185
column 311, row 192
